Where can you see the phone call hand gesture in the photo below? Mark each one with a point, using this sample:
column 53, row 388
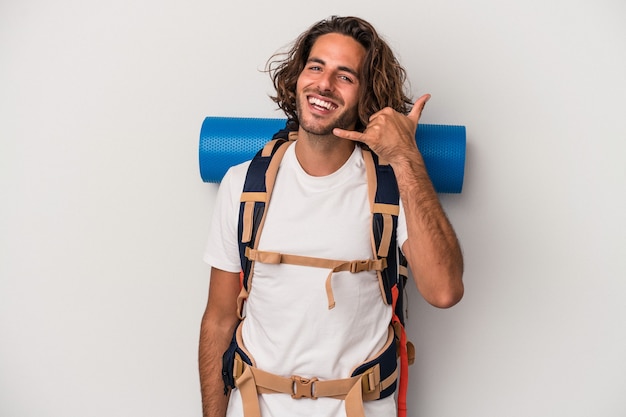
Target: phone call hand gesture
column 390, row 134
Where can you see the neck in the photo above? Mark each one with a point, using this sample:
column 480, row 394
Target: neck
column 322, row 155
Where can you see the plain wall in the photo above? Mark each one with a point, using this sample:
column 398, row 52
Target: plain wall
column 103, row 215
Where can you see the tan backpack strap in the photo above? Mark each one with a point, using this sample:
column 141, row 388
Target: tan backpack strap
column 387, row 211
column 267, row 257
column 403, row 270
column 269, row 147
column 241, row 298
column 254, row 381
column 367, row 386
column 353, row 267
column 370, row 171
column 249, row 394
column 248, row 213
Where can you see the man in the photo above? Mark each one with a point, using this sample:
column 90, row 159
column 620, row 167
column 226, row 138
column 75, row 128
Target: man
column 343, row 86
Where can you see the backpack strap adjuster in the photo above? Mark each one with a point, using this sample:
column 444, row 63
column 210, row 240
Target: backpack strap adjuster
column 367, row 265
column 370, row 380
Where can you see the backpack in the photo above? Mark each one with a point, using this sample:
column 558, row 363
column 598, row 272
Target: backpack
column 389, row 262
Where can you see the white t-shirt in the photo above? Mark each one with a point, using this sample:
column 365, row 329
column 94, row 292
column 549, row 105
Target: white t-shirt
column 289, row 329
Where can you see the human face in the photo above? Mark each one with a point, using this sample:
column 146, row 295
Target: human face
column 327, row 91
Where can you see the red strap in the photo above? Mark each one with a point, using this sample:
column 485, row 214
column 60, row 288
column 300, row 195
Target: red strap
column 404, row 358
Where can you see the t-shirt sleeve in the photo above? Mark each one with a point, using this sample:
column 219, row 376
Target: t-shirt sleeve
column 401, row 232
column 222, row 248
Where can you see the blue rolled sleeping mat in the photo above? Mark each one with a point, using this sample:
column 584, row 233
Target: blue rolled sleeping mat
column 228, row 141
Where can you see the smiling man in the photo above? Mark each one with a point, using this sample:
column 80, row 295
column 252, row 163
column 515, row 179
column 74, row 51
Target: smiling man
column 316, row 338
column 328, row 87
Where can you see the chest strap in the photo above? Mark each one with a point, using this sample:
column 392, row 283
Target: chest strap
column 252, row 381
column 334, row 265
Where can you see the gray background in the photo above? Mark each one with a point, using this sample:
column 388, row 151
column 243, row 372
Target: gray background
column 104, row 217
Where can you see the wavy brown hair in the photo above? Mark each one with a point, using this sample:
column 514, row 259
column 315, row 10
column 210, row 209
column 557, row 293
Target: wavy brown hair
column 382, row 76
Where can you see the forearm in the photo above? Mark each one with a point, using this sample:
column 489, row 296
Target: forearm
column 214, row 340
column 218, row 323
column 433, row 250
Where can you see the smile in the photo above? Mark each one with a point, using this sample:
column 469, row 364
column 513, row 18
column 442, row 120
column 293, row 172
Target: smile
column 319, row 103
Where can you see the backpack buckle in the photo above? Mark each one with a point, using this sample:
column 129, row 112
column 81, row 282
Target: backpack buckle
column 303, row 387
column 360, row 266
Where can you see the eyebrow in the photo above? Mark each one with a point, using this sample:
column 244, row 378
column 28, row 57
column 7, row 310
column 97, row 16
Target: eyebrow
column 341, row 67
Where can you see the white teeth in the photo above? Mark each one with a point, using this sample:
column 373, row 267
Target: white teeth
column 321, row 103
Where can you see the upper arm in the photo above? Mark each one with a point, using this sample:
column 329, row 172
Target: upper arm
column 224, row 289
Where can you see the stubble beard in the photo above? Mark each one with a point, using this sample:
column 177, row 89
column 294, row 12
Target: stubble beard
column 344, row 120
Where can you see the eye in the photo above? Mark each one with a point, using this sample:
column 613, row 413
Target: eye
column 346, row 78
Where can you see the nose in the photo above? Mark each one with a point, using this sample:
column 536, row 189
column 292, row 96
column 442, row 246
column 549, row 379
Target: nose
column 326, row 82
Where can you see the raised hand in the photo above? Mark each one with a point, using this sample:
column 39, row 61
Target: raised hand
column 390, row 134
